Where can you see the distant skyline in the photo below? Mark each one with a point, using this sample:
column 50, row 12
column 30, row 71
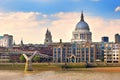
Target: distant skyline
column 29, row 19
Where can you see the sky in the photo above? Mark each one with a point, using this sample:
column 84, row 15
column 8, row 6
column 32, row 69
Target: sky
column 28, row 20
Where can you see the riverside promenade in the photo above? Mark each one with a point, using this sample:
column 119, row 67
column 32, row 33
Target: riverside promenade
column 57, row 67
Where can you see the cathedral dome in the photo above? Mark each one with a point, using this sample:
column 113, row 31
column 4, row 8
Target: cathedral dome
column 82, row 25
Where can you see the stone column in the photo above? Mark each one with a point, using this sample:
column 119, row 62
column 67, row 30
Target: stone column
column 94, row 53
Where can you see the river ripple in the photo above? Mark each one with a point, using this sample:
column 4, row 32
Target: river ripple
column 60, row 75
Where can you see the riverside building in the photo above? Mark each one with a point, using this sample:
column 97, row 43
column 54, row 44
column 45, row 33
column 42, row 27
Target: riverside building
column 112, row 53
column 73, row 52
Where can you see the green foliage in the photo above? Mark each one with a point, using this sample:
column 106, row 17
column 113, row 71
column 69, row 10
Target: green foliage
column 36, row 58
column 102, row 59
column 11, row 60
column 22, row 58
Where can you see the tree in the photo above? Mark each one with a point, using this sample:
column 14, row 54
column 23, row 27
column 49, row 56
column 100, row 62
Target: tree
column 11, row 60
column 36, row 58
column 22, row 58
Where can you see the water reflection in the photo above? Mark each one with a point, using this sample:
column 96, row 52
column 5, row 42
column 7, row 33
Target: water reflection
column 60, row 75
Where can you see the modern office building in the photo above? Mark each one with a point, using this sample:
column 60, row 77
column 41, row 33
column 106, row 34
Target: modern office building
column 105, row 39
column 6, row 41
column 117, row 38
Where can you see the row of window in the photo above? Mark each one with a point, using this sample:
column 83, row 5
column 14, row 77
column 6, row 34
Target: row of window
column 82, row 36
column 92, row 49
column 112, row 51
column 73, row 59
column 111, row 55
column 111, row 58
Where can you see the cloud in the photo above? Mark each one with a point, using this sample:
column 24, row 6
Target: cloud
column 101, row 27
column 63, row 27
column 117, row 9
column 31, row 26
column 24, row 25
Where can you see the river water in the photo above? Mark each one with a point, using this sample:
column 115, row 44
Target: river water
column 59, row 75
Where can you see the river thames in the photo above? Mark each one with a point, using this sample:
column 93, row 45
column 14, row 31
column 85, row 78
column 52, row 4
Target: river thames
column 59, row 75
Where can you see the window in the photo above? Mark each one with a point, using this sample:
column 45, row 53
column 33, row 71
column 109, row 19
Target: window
column 82, row 50
column 58, row 50
column 82, row 59
column 54, row 50
column 63, row 52
column 87, row 50
column 91, row 50
column 75, row 36
column 74, row 51
column 54, row 54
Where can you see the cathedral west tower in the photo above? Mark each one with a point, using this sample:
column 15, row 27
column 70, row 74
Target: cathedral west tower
column 48, row 37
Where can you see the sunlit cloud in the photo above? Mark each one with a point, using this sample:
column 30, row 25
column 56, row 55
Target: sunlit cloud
column 22, row 25
column 117, row 9
column 99, row 27
column 31, row 26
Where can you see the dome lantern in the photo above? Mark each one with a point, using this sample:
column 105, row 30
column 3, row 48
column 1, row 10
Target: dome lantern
column 82, row 17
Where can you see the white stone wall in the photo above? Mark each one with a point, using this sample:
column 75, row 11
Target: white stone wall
column 82, row 36
column 112, row 53
column 6, row 41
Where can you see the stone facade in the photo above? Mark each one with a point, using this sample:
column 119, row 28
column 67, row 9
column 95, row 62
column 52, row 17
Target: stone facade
column 112, row 53
column 76, row 53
